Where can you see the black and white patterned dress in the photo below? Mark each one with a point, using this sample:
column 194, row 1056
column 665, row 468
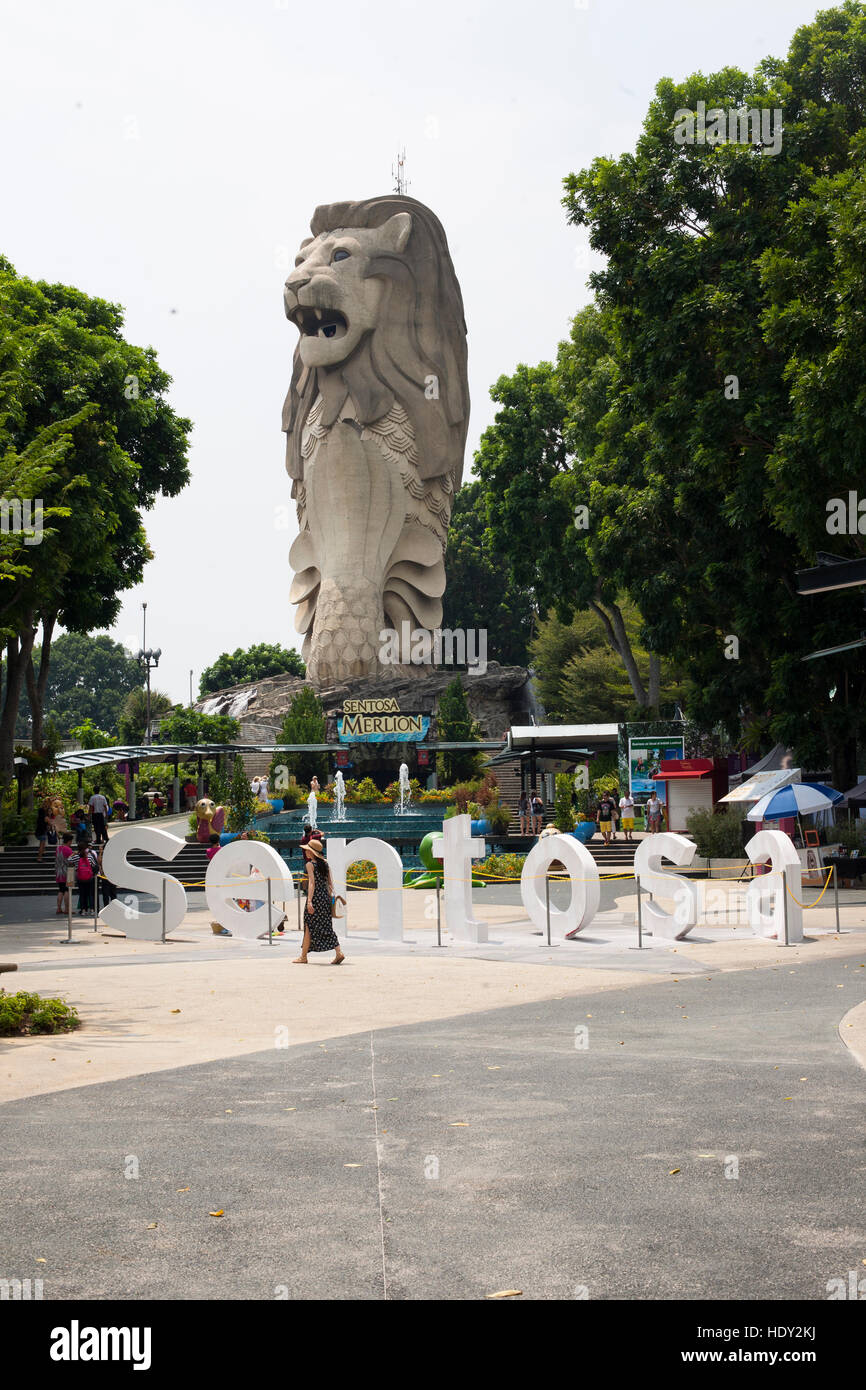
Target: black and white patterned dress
column 318, row 922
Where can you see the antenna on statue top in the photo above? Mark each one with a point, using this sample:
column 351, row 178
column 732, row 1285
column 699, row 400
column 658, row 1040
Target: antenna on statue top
column 398, row 173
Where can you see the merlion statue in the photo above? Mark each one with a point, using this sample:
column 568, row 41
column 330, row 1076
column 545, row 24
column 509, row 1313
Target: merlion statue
column 376, row 418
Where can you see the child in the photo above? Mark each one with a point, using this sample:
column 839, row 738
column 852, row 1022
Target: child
column 213, row 848
column 61, row 864
column 85, row 863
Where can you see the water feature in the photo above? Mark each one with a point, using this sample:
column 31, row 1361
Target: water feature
column 405, row 792
column 339, row 798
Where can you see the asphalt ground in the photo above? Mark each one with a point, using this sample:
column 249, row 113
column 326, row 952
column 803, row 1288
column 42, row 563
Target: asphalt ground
column 452, row 1159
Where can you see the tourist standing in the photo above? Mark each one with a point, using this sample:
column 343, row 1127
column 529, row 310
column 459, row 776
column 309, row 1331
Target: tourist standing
column 536, row 808
column 614, row 814
column 85, row 862
column 603, row 818
column 626, row 806
column 654, row 814
column 319, row 934
column 61, row 864
column 41, row 831
column 190, row 792
column 523, row 812
column 99, row 815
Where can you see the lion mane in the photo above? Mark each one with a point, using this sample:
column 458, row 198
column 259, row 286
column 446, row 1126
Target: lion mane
column 421, row 335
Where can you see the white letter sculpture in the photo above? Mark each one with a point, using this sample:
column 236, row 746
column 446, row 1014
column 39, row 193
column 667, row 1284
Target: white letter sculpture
column 769, row 889
column 389, row 871
column 457, row 849
column 583, row 874
column 239, row 857
column 143, row 926
column 648, row 868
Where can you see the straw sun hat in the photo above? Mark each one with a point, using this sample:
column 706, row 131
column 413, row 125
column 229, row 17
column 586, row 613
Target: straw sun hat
column 315, row 847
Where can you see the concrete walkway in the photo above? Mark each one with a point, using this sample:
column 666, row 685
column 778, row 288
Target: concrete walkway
column 704, row 1143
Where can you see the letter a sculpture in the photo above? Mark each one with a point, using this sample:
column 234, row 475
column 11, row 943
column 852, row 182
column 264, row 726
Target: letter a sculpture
column 376, row 418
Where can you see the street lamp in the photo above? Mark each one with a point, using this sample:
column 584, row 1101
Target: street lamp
column 148, row 660
column 20, row 764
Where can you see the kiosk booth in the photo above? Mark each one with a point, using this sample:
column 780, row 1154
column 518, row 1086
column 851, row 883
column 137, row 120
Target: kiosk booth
column 691, row 784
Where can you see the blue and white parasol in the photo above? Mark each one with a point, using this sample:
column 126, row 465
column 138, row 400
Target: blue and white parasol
column 797, row 799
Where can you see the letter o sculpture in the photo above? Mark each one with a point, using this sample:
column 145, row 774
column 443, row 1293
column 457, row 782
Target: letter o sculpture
column 583, row 874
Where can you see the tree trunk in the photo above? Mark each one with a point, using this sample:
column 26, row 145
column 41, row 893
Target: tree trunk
column 618, row 638
column 36, row 683
column 655, row 680
column 18, row 651
column 843, row 762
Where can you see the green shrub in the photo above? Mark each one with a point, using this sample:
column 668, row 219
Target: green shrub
column 501, row 865
column 563, row 811
column 17, row 827
column 849, row 836
column 30, row 1013
column 717, row 834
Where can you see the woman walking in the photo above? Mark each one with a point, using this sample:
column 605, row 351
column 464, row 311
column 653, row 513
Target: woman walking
column 319, row 934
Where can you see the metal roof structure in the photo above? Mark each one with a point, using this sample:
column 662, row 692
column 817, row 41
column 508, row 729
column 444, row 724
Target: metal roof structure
column 568, row 737
column 83, row 758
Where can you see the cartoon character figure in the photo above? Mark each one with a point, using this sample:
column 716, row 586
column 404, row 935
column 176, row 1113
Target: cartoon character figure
column 211, row 820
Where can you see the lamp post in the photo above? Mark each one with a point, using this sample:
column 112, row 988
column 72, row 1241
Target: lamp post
column 148, row 660
column 20, row 764
column 190, row 689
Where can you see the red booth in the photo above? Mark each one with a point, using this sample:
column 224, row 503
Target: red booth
column 691, row 784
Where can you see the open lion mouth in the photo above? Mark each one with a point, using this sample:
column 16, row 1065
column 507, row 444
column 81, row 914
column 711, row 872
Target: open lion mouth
column 319, row 323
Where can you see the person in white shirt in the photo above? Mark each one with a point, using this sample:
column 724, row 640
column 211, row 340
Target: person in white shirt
column 626, row 807
column 654, row 813
column 98, row 813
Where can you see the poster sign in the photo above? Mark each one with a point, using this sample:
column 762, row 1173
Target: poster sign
column 645, row 756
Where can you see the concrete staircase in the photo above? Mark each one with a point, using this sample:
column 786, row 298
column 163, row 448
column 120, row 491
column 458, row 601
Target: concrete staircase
column 22, row 875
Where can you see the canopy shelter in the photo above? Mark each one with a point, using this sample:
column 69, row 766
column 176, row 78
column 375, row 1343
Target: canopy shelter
column 127, row 757
column 855, row 798
column 535, row 744
column 779, row 759
column 758, row 783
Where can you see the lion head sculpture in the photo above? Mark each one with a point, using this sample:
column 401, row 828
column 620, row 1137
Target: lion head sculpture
column 376, row 417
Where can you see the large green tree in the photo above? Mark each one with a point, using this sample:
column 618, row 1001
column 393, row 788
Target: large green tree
column 89, row 678
column 304, row 723
column 724, row 296
column 535, row 488
column 123, row 446
column 188, row 726
column 252, row 664
column 454, row 724
column 581, row 679
column 480, row 592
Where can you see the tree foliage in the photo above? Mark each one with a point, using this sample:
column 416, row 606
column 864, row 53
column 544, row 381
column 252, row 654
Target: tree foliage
column 133, row 716
column 94, row 408
column 252, row 664
column 89, row 678
column 581, row 680
column 455, row 724
column 480, row 592
column 304, row 723
column 188, row 726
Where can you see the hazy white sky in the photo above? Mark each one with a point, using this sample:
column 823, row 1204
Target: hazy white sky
column 169, row 156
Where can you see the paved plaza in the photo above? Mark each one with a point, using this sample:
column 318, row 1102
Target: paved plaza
column 584, row 1120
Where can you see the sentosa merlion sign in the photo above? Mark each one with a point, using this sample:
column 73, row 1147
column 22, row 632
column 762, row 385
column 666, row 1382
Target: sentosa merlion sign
column 456, row 847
